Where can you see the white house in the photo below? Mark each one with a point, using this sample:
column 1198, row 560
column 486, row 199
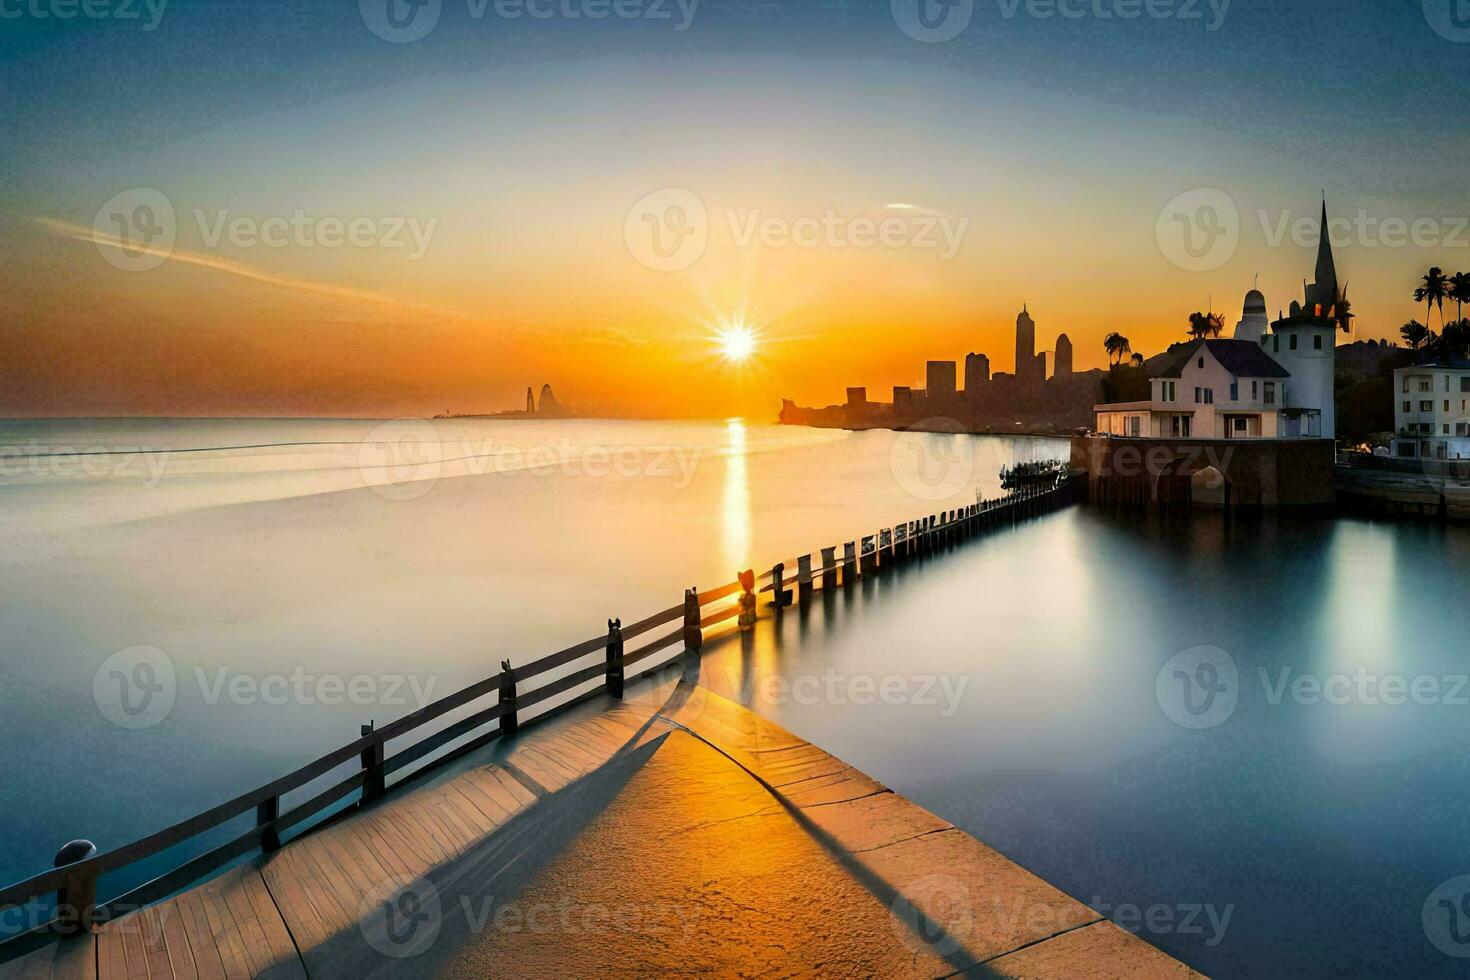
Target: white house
column 1208, row 389
column 1432, row 411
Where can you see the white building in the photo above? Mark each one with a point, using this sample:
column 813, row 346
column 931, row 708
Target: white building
column 1208, row 389
column 1432, row 411
column 1273, row 381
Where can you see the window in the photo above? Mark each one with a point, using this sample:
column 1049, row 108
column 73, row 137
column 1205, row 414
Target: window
column 1426, row 406
column 1408, row 406
column 1204, row 396
column 1254, row 393
column 1462, row 429
column 1201, row 362
column 1166, row 391
column 1179, row 426
column 1237, row 425
column 1293, row 341
column 1446, row 382
column 1444, row 430
column 1465, row 384
column 1135, row 425
column 1406, row 384
column 1426, row 384
column 1270, row 393
column 1317, row 342
column 1235, row 391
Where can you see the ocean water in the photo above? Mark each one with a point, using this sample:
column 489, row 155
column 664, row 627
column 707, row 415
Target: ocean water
column 281, row 582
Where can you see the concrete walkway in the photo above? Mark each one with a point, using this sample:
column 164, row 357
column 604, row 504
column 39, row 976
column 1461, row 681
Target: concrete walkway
column 676, row 832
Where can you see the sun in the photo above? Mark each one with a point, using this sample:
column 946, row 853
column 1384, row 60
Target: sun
column 736, row 343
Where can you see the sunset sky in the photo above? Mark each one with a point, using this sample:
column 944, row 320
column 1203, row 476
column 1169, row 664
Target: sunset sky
column 518, row 148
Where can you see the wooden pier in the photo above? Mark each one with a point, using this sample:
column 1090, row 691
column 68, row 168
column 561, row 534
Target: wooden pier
column 476, row 791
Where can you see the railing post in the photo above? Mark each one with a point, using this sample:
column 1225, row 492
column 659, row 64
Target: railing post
column 509, row 721
column 804, row 578
column 615, row 658
column 693, row 635
column 76, row 899
column 266, row 812
column 372, row 764
column 885, row 548
column 829, row 568
column 779, row 594
column 870, row 555
column 849, row 563
column 747, row 600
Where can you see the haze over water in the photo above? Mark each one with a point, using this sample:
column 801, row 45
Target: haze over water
column 427, row 552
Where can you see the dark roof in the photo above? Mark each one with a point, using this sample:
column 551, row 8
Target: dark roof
column 1242, row 358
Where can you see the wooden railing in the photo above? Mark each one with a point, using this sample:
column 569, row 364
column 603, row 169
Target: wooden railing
column 74, row 881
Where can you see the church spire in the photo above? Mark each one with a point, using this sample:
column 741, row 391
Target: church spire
column 1326, row 285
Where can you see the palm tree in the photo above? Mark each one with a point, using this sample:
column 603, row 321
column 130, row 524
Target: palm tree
column 1117, row 347
column 1433, row 290
column 1415, row 334
column 1460, row 292
column 1203, row 325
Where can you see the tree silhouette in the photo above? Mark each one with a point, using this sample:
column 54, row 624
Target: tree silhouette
column 1432, row 290
column 1202, row 325
column 1415, row 334
column 1117, row 347
column 1459, row 291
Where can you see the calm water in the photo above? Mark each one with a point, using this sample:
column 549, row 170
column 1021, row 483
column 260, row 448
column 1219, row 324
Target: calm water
column 1033, row 674
column 408, row 558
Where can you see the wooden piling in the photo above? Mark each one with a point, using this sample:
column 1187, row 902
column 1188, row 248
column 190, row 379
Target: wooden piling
column 76, row 899
column 693, row 634
column 829, row 568
column 509, row 722
column 372, row 764
column 615, row 658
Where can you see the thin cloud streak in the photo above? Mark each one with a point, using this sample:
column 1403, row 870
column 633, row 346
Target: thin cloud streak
column 66, row 229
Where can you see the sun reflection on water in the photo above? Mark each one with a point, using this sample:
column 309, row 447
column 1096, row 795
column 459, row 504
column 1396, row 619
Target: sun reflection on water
column 735, row 505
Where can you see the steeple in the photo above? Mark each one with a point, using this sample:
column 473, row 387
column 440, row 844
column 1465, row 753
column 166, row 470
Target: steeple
column 1326, row 284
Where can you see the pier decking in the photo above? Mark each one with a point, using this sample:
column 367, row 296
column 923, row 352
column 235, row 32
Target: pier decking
column 686, row 834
